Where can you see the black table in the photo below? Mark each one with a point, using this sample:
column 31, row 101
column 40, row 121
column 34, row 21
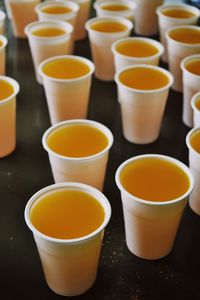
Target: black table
column 121, row 275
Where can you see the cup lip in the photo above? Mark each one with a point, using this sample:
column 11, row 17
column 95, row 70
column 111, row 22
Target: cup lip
column 165, row 157
column 193, row 101
column 97, row 5
column 58, row 2
column 92, row 123
column 122, row 20
column 14, row 84
column 76, row 57
column 56, row 23
column 166, row 72
column 182, row 6
column 194, row 27
column 2, row 15
column 155, row 43
column 99, row 196
column 187, row 59
column 188, row 136
column 4, row 40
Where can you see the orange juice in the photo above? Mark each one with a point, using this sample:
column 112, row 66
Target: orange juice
column 66, row 68
column 186, row 35
column 67, row 214
column 108, row 26
column 48, row 32
column 142, row 78
column 136, row 48
column 1, row 43
column 77, row 140
column 115, row 7
column 6, row 89
column 194, row 66
column 178, row 13
column 154, row 179
column 56, row 10
column 197, row 103
column 195, row 140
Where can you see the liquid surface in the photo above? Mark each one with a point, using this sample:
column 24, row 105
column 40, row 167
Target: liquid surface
column 186, row 35
column 108, row 26
column 197, row 103
column 77, row 140
column 194, row 66
column 178, row 13
column 66, row 68
column 67, row 214
column 48, row 32
column 143, row 78
column 1, row 43
column 6, row 89
column 154, row 179
column 56, row 10
column 195, row 140
column 115, row 7
column 136, row 49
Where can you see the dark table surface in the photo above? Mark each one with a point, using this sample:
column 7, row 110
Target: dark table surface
column 121, row 275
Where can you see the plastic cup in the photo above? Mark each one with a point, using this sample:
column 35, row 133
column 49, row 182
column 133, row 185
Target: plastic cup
column 191, row 85
column 43, row 47
column 178, row 51
column 142, row 110
column 7, row 6
column 195, row 103
column 146, row 22
column 151, row 226
column 194, row 164
column 166, row 22
column 101, row 11
column 8, row 119
column 2, row 21
column 87, row 169
column 22, row 13
column 101, row 42
column 70, row 265
column 67, row 98
column 123, row 60
column 3, row 44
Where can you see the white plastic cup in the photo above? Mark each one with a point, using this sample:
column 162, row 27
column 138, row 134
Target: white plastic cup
column 22, row 12
column 7, row 6
column 70, row 265
column 146, row 22
column 67, row 98
column 122, row 60
column 191, row 85
column 129, row 13
column 178, row 51
column 194, row 164
column 8, row 119
column 2, row 21
column 46, row 47
column 196, row 110
column 151, row 226
column 166, row 22
column 88, row 169
column 3, row 44
column 142, row 110
column 100, row 43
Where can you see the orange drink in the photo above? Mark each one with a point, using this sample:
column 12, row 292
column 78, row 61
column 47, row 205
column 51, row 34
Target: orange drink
column 178, row 13
column 6, row 89
column 194, row 66
column 115, row 7
column 48, row 32
column 195, row 140
column 186, row 35
column 198, row 103
column 136, row 48
column 108, row 26
column 56, row 10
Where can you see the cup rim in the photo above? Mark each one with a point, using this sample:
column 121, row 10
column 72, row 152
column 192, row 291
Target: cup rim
column 193, row 101
column 194, row 27
column 157, row 44
column 53, row 22
column 182, row 6
column 106, row 131
column 58, row 2
column 155, row 203
column 99, row 196
column 188, row 136
column 97, row 5
column 2, row 15
column 4, row 40
column 139, row 91
column 187, row 59
column 122, row 20
column 76, row 57
column 15, row 86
